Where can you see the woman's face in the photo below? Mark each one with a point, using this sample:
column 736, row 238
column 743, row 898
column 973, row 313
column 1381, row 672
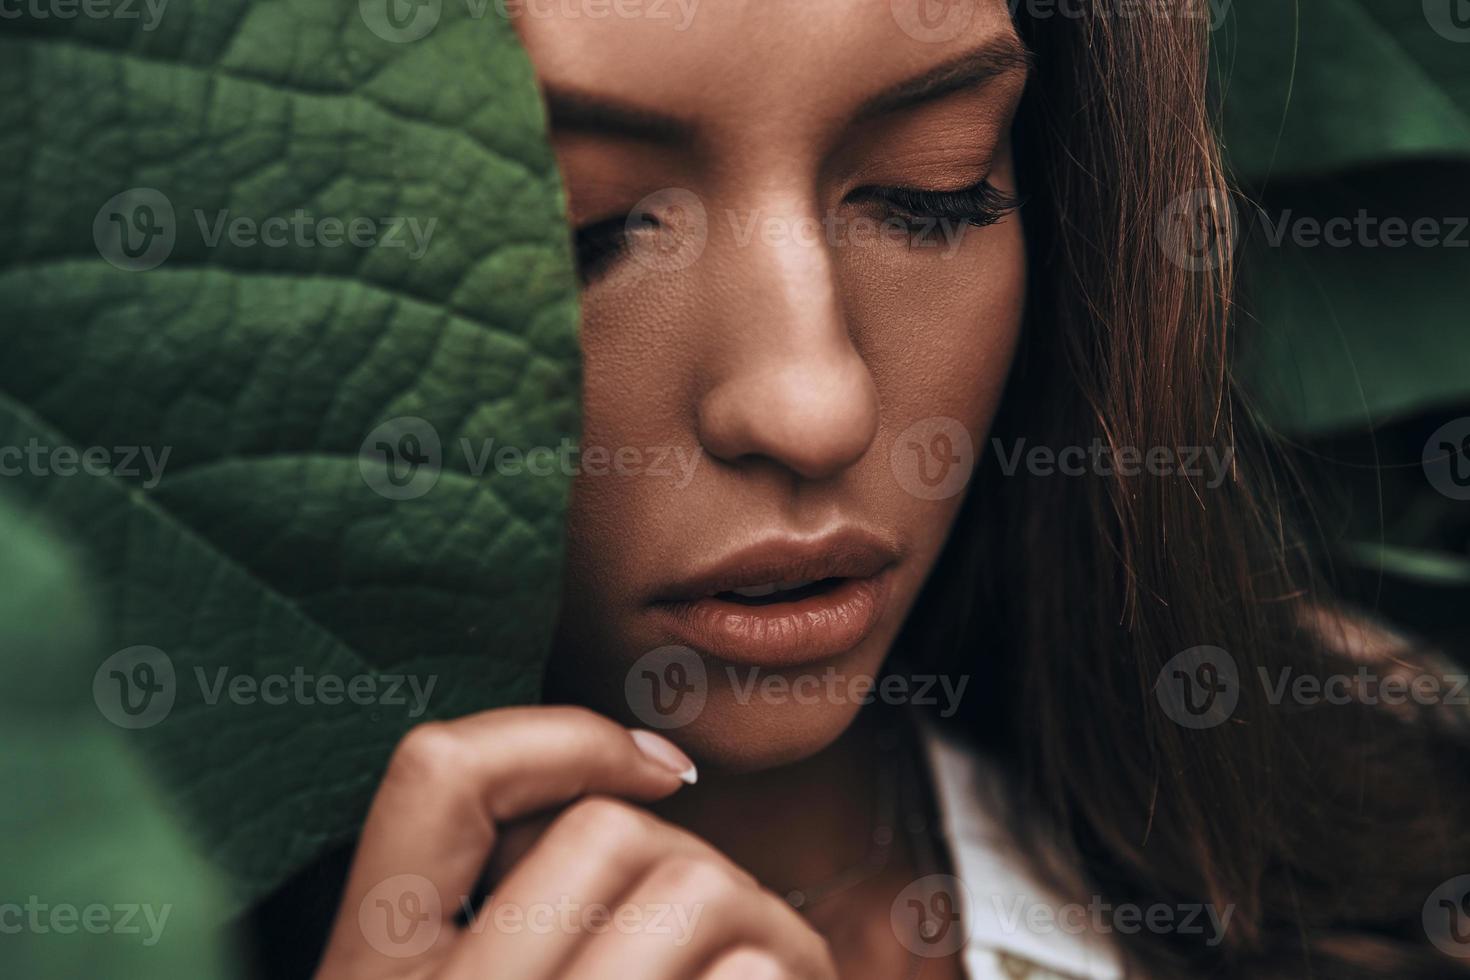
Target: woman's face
column 803, row 287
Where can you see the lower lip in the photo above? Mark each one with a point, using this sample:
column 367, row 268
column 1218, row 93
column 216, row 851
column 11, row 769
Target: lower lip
column 782, row 634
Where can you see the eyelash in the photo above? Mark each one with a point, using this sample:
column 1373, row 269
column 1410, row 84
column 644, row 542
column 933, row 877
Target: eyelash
column 979, row 204
column 598, row 244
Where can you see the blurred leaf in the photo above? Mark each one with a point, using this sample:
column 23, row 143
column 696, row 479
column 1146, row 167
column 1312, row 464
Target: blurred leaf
column 1395, row 544
column 275, row 530
column 1331, row 111
column 1342, row 337
column 1427, row 567
column 96, row 877
column 1318, row 86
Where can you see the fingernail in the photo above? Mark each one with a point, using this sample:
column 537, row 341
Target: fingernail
column 666, row 754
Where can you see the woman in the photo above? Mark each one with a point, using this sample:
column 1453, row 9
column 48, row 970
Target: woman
column 808, row 269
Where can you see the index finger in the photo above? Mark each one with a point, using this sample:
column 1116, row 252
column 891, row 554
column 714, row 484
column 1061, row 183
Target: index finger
column 433, row 822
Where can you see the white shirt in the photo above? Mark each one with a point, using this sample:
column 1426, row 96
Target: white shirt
column 1017, row 927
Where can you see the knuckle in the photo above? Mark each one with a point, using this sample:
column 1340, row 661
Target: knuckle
column 603, row 824
column 686, row 878
column 427, row 754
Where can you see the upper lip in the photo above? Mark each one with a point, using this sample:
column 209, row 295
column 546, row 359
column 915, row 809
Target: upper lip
column 846, row 553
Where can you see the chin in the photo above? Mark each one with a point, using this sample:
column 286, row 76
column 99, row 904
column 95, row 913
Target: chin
column 732, row 717
column 739, row 738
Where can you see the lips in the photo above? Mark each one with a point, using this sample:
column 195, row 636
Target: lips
column 783, row 602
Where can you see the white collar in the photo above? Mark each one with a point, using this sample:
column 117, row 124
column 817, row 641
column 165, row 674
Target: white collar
column 1010, row 912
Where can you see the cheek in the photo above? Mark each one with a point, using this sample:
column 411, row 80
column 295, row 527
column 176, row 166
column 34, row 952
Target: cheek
column 938, row 326
column 938, row 333
column 639, row 358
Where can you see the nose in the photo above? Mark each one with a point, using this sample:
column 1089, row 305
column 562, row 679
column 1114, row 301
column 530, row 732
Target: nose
column 786, row 383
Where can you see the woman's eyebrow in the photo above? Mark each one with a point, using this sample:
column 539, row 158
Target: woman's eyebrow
column 581, row 112
column 1003, row 54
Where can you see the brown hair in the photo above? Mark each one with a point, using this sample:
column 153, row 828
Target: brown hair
column 1324, row 830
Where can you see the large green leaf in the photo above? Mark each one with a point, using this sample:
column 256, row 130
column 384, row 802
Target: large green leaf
column 277, row 542
column 1332, row 109
column 97, row 878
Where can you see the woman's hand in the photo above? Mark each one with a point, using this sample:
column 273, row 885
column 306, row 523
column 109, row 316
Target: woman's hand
column 607, row 890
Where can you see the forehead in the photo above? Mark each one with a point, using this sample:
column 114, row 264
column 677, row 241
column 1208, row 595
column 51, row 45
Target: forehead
column 784, row 60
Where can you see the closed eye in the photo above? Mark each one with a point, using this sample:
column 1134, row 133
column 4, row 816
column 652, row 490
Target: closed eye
column 600, row 243
column 980, row 204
